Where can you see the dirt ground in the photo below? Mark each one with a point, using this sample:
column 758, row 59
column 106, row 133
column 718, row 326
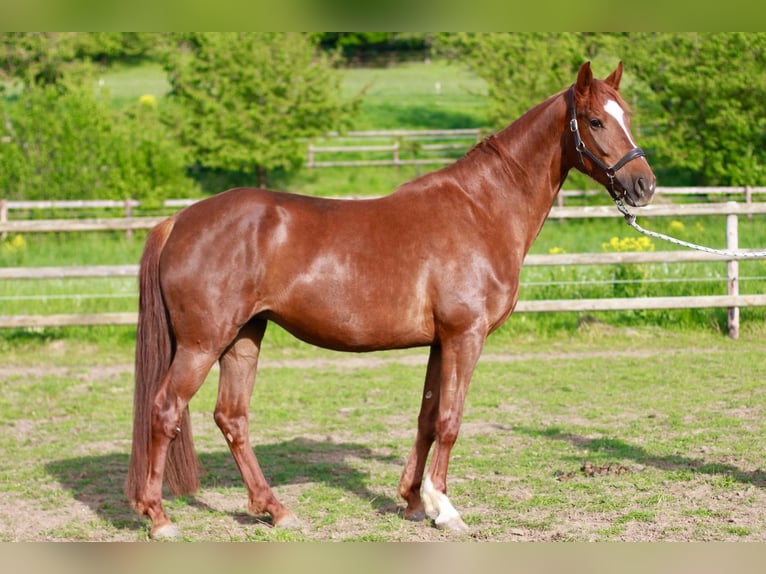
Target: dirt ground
column 24, row 520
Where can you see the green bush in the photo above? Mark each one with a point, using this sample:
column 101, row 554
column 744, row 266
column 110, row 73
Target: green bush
column 67, row 143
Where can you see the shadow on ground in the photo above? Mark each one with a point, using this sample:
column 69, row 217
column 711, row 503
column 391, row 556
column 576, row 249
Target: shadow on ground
column 620, row 449
column 97, row 481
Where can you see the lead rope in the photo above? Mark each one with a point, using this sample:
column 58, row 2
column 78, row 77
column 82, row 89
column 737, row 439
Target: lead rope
column 631, row 220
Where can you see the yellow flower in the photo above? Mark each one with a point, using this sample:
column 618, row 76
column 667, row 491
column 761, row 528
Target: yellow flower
column 148, row 100
column 676, row 225
column 628, row 244
column 556, row 250
column 16, row 244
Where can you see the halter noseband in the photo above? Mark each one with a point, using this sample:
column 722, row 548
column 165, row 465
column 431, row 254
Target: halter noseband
column 610, row 171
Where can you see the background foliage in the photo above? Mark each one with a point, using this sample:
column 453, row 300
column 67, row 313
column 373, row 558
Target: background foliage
column 704, row 94
column 696, row 95
column 248, row 102
column 242, row 106
column 66, row 143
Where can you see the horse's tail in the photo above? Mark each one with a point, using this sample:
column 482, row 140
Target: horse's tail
column 155, row 347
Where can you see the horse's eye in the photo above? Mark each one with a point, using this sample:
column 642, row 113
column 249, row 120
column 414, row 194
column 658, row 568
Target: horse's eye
column 596, row 123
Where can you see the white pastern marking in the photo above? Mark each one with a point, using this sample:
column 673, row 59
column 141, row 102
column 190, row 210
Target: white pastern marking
column 438, row 506
column 615, row 110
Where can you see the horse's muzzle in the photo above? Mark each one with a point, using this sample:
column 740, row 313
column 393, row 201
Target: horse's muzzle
column 642, row 190
column 636, row 189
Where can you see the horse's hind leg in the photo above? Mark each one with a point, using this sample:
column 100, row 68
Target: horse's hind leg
column 238, row 366
column 184, row 378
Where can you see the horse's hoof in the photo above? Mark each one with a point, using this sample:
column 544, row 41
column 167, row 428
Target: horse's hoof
column 166, row 532
column 455, row 524
column 289, row 520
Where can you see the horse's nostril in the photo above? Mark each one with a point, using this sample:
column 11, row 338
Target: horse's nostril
column 641, row 186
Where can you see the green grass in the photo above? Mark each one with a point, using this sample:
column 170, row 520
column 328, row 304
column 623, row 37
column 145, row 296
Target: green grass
column 347, row 182
column 436, row 95
column 126, row 84
column 683, row 413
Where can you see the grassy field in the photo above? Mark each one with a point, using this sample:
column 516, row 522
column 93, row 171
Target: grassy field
column 127, row 84
column 435, row 95
column 608, row 434
column 415, row 95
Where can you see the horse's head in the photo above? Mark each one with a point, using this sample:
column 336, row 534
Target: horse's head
column 599, row 121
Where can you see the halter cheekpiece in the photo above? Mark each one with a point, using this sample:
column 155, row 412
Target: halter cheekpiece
column 610, row 171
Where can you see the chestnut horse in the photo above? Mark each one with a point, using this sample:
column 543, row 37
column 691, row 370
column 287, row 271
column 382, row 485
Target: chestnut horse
column 434, row 264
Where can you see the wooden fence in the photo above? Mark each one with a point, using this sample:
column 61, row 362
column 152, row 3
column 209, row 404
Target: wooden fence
column 404, row 149
column 743, row 192
column 128, row 206
column 732, row 299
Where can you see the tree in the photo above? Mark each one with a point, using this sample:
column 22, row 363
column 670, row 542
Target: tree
column 368, row 46
column 55, row 57
column 36, row 57
column 697, row 97
column 70, row 144
column 520, row 69
column 705, row 103
column 247, row 102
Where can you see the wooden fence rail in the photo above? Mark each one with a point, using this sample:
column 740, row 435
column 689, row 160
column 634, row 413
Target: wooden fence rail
column 128, row 205
column 68, row 272
column 599, row 211
column 58, row 225
column 640, row 303
column 732, row 300
column 394, row 149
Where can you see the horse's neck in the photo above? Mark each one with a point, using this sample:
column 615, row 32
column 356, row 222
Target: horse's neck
column 532, row 146
column 527, row 165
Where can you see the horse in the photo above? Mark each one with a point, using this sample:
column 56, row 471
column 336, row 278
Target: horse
column 433, row 264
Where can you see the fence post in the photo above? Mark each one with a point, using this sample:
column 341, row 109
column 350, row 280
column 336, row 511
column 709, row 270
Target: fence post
column 129, row 213
column 732, row 272
column 3, row 216
column 310, row 162
column 396, row 154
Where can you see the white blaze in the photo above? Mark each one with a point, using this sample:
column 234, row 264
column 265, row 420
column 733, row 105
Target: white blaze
column 615, row 110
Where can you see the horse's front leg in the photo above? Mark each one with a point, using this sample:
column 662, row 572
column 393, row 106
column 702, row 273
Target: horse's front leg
column 412, row 477
column 459, row 358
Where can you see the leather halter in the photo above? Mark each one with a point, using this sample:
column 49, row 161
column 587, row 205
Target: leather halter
column 610, row 171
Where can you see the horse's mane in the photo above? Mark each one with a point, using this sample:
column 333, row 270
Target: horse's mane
column 486, row 142
column 490, row 143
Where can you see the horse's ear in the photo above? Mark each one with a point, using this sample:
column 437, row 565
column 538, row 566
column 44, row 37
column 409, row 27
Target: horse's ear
column 584, row 79
column 615, row 77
